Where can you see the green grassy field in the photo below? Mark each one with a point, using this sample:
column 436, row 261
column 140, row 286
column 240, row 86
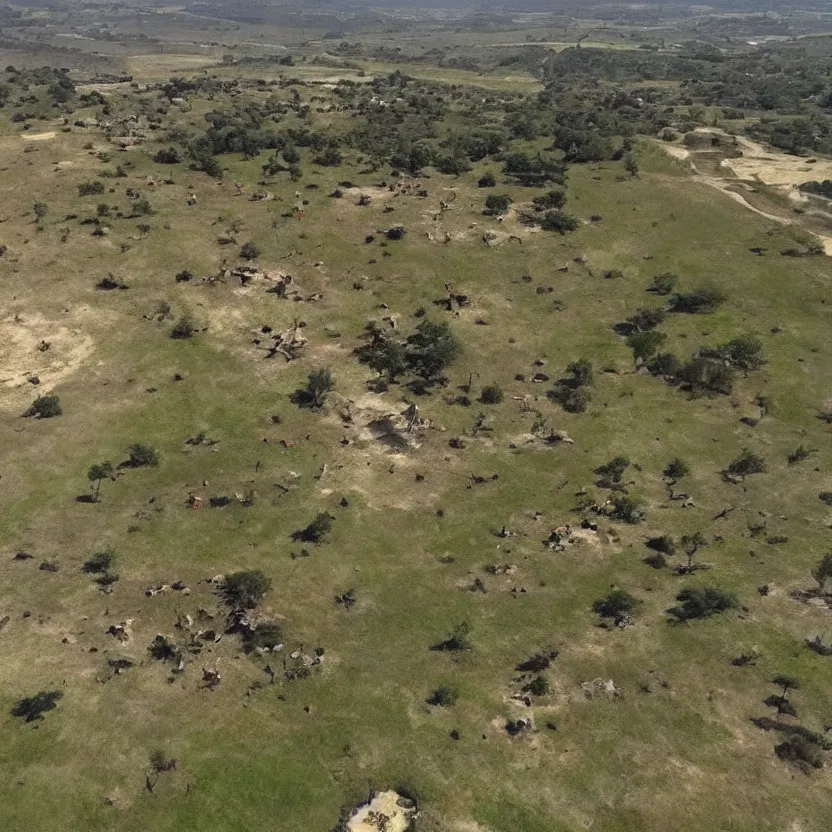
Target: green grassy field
column 414, row 533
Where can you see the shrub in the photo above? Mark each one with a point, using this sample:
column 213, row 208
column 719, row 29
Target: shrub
column 616, row 605
column 646, row 319
column 574, row 401
column 801, row 751
column 702, row 602
column 664, row 364
column 444, row 696
column 458, row 641
column 249, row 251
column 497, row 204
column 487, row 180
column 559, row 222
column 823, row 571
column 246, row 589
column 799, row 454
column 745, row 464
column 431, row 349
column 100, row 562
column 663, row 543
column 706, row 375
column 613, row 470
column 45, row 407
column 698, row 302
column 316, row 531
column 581, row 372
column 539, row 686
column 645, row 344
column 740, row 353
column 627, row 509
column 550, row 201
column 141, row 455
column 90, row 188
column 676, row 469
column 183, row 329
column 491, row 394
column 32, row 708
column 318, row 385
column 171, row 156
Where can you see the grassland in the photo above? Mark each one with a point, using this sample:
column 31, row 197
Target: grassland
column 677, row 750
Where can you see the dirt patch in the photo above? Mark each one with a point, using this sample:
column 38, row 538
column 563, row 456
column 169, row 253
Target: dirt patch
column 38, row 137
column 387, row 810
column 32, row 347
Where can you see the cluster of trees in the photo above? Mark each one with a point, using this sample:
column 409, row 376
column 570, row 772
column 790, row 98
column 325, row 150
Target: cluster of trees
column 425, row 353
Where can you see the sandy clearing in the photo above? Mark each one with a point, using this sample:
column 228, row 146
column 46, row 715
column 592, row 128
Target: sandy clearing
column 21, row 358
column 382, row 812
column 38, row 137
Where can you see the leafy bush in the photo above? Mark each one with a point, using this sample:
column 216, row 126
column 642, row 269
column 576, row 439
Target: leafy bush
column 627, row 509
column 745, row 464
column 617, row 604
column 487, row 180
column 613, row 470
column 100, row 562
column 559, row 222
column 497, row 204
column 458, row 641
column 663, row 543
column 550, row 201
column 246, row 589
column 646, row 319
column 700, row 301
column 316, row 531
column 444, row 696
column 703, row 602
column 539, row 686
column 45, row 407
column 318, row 385
column 90, row 188
column 676, row 469
column 141, row 455
column 431, row 349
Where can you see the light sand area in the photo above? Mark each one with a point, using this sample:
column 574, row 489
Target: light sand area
column 387, row 811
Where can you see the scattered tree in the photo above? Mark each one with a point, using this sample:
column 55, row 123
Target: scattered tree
column 559, row 222
column 745, row 464
column 487, row 180
column 645, row 344
column 612, row 471
column 618, row 605
column 45, row 407
column 823, row 571
column 317, row 530
column 676, row 469
column 664, row 283
column 249, row 251
column 627, row 509
column 701, row 301
column 702, row 602
column 97, row 473
column 100, row 563
column 431, row 349
column 183, row 329
column 496, row 204
column 458, row 641
column 318, row 385
column 246, row 589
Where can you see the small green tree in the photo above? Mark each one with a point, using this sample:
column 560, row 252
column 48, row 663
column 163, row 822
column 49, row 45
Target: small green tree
column 318, row 385
column 617, row 605
column 613, row 470
column 702, row 602
column 628, row 509
column 141, row 455
column 692, row 543
column 700, row 301
column 645, row 344
column 646, row 319
column 431, row 349
column 631, row 165
column 45, row 407
column 745, row 464
column 787, row 683
column 97, row 473
column 559, row 222
column 444, row 696
column 100, row 562
column 458, row 641
column 496, row 204
column 317, row 530
column 246, row 589
column 581, row 372
column 676, row 469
